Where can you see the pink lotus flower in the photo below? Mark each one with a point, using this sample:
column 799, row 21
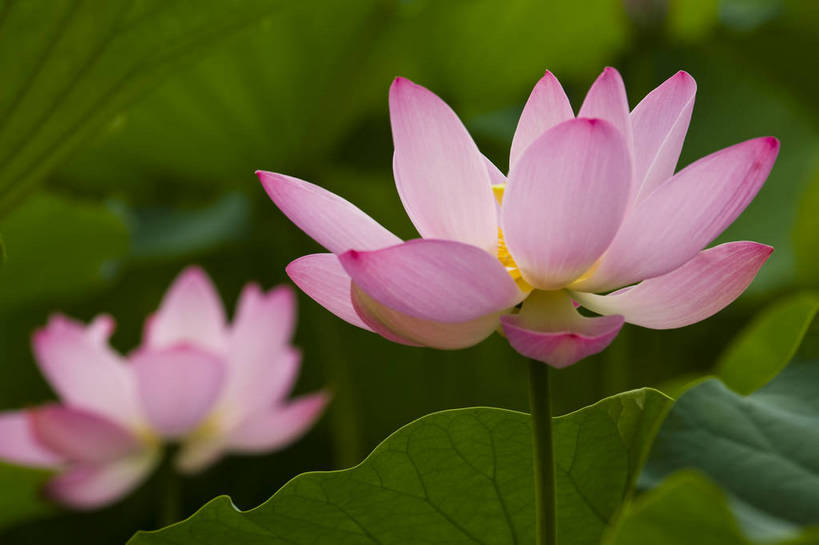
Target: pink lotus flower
column 591, row 204
column 211, row 386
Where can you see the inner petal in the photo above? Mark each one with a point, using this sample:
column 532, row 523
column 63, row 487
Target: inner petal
column 548, row 328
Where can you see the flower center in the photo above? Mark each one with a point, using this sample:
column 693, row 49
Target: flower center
column 504, row 256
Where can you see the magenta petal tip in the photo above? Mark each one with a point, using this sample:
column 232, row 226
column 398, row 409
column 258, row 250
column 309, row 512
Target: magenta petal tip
column 400, row 81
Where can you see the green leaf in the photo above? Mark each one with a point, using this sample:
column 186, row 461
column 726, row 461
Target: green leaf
column 761, row 449
column 57, row 247
column 600, row 450
column 458, row 476
column 766, row 346
column 21, row 498
column 70, row 66
column 686, row 508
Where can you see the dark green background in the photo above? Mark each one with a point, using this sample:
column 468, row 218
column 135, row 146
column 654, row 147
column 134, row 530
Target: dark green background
column 127, row 151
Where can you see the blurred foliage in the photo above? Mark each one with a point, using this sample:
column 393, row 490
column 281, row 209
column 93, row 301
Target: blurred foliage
column 759, row 448
column 132, row 190
column 806, row 235
column 761, row 350
column 459, row 476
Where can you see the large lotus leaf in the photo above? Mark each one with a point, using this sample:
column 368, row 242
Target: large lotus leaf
column 761, row 449
column 458, row 476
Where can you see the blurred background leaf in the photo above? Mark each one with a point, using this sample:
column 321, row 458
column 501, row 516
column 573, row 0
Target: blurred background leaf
column 68, row 257
column 70, row 65
column 767, row 344
column 759, row 448
column 162, row 232
column 684, row 509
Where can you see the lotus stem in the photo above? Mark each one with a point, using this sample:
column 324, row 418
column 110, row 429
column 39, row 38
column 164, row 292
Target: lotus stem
column 170, row 490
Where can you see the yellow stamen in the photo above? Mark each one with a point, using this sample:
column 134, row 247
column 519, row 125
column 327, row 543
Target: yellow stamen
column 498, row 190
column 209, row 428
column 503, row 252
column 586, row 275
column 147, row 435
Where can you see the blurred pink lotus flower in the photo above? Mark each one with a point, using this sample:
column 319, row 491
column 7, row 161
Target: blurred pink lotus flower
column 213, row 387
column 591, row 204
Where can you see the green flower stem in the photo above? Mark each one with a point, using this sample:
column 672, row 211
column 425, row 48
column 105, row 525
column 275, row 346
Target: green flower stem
column 545, row 501
column 170, row 489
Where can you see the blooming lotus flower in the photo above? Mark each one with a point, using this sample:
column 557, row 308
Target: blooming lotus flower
column 591, row 204
column 214, row 387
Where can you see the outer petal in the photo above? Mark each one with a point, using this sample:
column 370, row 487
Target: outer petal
column 408, row 330
column 88, row 487
column 565, row 200
column 436, row 280
column 699, row 289
column 440, row 174
column 278, row 427
column 550, row 330
column 333, row 222
column 84, row 371
column 547, row 106
column 322, row 277
column 81, row 436
column 660, row 122
column 19, row 445
column 191, row 313
column 680, row 217
column 178, row 387
column 607, row 100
